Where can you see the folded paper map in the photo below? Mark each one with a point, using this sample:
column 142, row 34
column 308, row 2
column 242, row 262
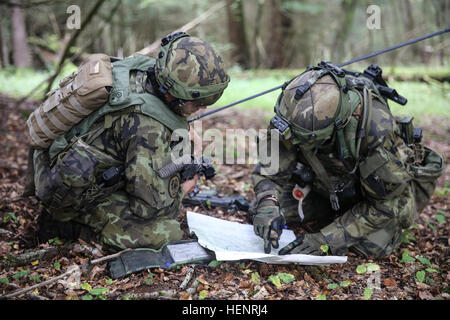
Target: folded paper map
column 236, row 241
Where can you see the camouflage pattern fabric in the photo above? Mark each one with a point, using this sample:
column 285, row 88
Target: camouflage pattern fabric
column 195, row 68
column 142, row 212
column 371, row 222
column 316, row 109
column 137, row 81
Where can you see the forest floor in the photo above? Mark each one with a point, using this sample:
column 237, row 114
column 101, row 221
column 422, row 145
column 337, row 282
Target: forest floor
column 418, row 270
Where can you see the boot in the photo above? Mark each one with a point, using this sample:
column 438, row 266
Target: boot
column 49, row 228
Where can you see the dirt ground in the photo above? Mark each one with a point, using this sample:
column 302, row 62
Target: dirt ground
column 418, row 270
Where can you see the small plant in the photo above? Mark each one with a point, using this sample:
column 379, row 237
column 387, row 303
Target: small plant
column 281, row 277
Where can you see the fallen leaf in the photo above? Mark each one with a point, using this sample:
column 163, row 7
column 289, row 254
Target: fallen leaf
column 286, row 277
column 361, row 269
column 202, row 280
column 308, row 278
column 203, row 294
column 185, row 296
column 425, row 295
column 420, row 275
column 261, row 294
column 389, row 282
column 228, row 277
column 98, row 291
column 345, row 283
column 372, row 267
column 275, row 280
column 255, row 278
column 368, row 293
column 321, row 297
column 332, row 286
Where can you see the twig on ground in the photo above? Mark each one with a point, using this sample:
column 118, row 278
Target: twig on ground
column 87, row 250
column 159, row 295
column 193, row 288
column 7, row 232
column 111, row 256
column 70, row 270
column 31, row 296
column 188, row 277
column 28, row 257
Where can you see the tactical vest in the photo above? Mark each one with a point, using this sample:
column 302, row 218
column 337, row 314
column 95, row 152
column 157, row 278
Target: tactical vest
column 76, row 175
column 364, row 131
column 369, row 120
column 121, row 98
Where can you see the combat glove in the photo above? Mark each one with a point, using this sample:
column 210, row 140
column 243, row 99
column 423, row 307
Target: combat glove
column 268, row 224
column 306, row 244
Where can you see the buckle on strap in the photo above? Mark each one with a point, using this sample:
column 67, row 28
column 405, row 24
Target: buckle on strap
column 167, row 85
column 339, row 124
column 59, row 195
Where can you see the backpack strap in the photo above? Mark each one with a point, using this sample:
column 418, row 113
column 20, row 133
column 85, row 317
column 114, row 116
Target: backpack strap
column 322, row 175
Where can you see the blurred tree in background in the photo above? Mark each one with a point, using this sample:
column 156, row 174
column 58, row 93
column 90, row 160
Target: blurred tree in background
column 251, row 34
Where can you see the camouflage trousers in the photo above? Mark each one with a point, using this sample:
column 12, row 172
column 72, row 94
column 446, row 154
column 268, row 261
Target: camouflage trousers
column 365, row 229
column 117, row 228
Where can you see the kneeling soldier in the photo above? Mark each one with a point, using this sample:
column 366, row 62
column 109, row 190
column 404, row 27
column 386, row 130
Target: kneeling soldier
column 368, row 176
column 103, row 181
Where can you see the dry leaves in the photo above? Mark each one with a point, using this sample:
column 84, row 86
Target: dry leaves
column 230, row 280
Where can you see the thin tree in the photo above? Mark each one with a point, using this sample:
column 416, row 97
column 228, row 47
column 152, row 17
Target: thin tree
column 275, row 42
column 73, row 40
column 348, row 12
column 21, row 50
column 236, row 33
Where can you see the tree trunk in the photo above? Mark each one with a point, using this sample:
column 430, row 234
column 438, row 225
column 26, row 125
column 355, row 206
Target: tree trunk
column 21, row 51
column 440, row 13
column 4, row 50
column 236, row 33
column 259, row 52
column 73, row 40
column 275, row 45
column 348, row 12
column 410, row 25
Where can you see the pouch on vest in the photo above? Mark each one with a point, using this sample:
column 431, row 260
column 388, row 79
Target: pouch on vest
column 79, row 94
column 77, row 179
column 425, row 177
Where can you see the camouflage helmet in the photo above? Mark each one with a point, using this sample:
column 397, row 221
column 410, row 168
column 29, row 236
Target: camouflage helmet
column 190, row 69
column 311, row 106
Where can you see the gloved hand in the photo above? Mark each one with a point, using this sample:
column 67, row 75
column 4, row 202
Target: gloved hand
column 305, row 244
column 268, row 224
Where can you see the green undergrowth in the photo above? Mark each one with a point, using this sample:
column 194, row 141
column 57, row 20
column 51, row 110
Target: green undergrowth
column 18, row 82
column 424, row 98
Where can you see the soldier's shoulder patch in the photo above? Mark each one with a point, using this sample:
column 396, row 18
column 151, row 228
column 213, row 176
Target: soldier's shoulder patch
column 174, row 186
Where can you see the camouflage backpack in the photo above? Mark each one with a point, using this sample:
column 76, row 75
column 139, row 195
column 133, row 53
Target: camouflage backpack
column 77, row 96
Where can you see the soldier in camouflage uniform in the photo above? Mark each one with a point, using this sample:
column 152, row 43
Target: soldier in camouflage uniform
column 152, row 99
column 364, row 179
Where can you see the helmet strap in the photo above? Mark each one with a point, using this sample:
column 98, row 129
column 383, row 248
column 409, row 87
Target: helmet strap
column 160, row 91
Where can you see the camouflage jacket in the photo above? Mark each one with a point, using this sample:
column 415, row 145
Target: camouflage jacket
column 134, row 140
column 143, row 144
column 381, row 179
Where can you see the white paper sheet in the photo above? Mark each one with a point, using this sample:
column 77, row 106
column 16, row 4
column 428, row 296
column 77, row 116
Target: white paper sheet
column 236, row 241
